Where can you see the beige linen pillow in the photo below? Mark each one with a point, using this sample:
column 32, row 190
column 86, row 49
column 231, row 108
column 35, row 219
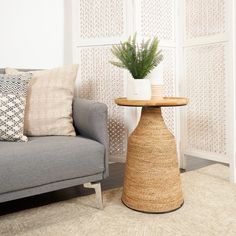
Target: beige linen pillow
column 49, row 101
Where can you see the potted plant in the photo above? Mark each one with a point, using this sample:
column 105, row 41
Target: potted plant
column 139, row 60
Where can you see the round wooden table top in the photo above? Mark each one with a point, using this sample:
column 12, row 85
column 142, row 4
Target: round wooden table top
column 164, row 102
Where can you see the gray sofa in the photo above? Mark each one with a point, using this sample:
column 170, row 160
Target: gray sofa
column 45, row 164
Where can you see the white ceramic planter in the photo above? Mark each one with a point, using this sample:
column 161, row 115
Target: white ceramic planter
column 139, row 89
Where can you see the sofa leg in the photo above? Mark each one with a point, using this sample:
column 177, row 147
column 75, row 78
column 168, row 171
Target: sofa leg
column 98, row 192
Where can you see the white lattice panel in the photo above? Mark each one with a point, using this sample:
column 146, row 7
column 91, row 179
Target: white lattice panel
column 169, row 84
column 101, row 18
column 101, row 81
column 157, row 19
column 205, row 18
column 205, row 78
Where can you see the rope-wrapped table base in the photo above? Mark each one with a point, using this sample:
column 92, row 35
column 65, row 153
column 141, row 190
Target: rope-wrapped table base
column 152, row 179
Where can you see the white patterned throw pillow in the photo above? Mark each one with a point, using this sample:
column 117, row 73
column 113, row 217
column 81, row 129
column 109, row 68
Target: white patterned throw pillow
column 13, row 90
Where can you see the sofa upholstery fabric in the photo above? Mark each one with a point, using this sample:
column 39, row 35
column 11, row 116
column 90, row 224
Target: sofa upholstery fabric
column 44, row 160
column 90, row 120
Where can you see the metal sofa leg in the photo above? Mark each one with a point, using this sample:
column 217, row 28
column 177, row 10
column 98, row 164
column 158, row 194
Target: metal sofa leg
column 98, row 192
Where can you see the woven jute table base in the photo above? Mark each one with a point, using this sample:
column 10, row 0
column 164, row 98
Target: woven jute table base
column 152, row 178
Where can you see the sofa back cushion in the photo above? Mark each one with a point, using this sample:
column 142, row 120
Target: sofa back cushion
column 49, row 101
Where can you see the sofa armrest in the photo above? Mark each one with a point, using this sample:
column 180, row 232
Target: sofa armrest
column 90, row 120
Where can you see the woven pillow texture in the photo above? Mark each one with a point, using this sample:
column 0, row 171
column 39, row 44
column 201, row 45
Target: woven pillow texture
column 13, row 91
column 49, row 101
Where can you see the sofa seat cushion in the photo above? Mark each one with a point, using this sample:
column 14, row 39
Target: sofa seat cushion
column 44, row 160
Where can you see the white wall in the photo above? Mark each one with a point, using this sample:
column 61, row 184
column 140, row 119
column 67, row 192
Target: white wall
column 31, row 33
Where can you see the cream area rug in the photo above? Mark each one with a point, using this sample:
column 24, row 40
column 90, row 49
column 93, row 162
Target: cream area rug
column 209, row 209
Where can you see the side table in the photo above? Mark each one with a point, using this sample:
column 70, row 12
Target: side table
column 152, row 179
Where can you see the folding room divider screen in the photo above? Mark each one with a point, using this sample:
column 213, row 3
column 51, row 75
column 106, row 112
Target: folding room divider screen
column 208, row 80
column 196, row 39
